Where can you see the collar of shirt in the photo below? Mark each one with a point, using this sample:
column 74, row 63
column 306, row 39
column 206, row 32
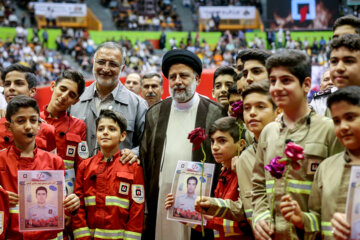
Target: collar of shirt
column 100, row 156
column 49, row 115
column 298, row 122
column 17, row 151
column 103, row 103
column 188, row 104
column 347, row 158
column 112, row 94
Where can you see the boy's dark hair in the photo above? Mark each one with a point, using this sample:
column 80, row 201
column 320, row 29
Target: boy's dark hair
column 238, row 76
column 192, row 178
column 74, row 76
column 20, row 101
column 350, row 94
column 350, row 41
column 29, row 74
column 261, row 87
column 224, row 70
column 41, row 188
column 227, row 124
column 348, row 20
column 297, row 62
column 240, row 67
column 254, row 54
column 232, row 90
column 117, row 117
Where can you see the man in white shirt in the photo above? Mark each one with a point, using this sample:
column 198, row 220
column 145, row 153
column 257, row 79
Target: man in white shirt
column 164, row 142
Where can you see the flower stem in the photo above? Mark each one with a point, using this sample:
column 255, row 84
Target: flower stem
column 286, row 190
column 240, row 133
column 272, row 204
column 202, row 177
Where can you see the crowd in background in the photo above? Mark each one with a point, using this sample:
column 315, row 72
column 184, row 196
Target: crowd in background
column 142, row 56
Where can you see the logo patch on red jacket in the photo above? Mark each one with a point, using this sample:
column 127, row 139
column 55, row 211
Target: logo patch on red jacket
column 70, row 151
column 124, row 188
column 83, row 151
column 138, row 193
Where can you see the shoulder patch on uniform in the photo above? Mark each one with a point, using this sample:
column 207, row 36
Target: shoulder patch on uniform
column 138, row 193
column 1, row 222
column 70, row 151
column 83, row 151
column 322, row 93
column 124, row 188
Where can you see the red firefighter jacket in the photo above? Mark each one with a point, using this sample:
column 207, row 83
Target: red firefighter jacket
column 111, row 199
column 10, row 163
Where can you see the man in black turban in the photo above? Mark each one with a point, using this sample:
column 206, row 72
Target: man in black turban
column 164, row 141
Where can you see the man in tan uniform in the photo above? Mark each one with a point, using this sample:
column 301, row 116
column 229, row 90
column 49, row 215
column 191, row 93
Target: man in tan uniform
column 331, row 181
column 289, row 75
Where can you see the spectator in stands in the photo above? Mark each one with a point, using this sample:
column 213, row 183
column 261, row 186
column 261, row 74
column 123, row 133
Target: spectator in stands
column 152, row 87
column 50, row 17
column 132, row 83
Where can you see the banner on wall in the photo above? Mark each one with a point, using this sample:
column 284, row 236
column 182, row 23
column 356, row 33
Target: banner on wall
column 59, row 9
column 302, row 14
column 229, row 12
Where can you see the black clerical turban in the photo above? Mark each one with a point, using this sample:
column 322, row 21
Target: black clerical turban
column 181, row 56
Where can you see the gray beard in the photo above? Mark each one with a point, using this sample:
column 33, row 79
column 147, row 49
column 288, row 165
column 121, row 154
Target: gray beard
column 184, row 96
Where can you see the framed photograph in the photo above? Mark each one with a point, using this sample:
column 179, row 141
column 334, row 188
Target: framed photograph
column 41, row 195
column 353, row 203
column 186, row 188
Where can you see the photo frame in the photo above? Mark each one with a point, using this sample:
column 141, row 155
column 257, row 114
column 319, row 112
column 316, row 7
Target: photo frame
column 353, row 203
column 41, row 195
column 186, row 187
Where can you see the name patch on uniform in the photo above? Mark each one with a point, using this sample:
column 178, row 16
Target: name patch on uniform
column 83, row 151
column 138, row 193
column 312, row 166
column 1, row 222
column 124, row 188
column 70, row 151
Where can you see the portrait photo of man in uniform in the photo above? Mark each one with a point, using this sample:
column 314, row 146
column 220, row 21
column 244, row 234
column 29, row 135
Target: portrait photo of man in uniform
column 184, row 203
column 42, row 213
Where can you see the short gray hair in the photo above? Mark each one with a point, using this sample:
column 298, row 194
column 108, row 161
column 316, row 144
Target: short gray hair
column 113, row 45
column 151, row 75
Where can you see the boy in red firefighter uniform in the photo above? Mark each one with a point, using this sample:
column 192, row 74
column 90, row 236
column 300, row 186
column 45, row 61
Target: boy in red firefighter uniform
column 70, row 132
column 19, row 80
column 225, row 144
column 111, row 194
column 4, row 213
column 22, row 115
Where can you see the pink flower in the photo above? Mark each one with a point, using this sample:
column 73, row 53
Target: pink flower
column 197, row 136
column 237, row 109
column 275, row 168
column 295, row 153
